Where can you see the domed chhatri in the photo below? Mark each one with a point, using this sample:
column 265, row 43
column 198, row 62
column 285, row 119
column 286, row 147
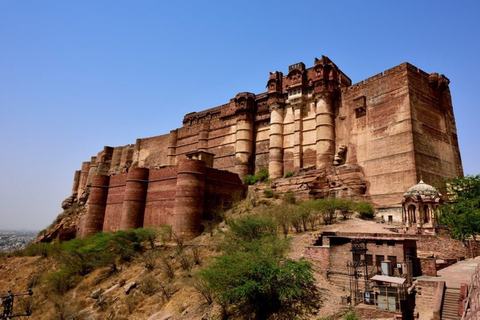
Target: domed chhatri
column 419, row 208
column 422, row 190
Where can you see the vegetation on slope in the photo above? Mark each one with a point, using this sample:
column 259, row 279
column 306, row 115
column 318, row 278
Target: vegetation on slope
column 462, row 210
column 253, row 278
column 237, row 268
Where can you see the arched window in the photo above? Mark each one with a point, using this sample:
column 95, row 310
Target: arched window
column 411, row 213
column 426, row 212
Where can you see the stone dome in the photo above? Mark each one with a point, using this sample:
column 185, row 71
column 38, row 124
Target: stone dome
column 422, row 190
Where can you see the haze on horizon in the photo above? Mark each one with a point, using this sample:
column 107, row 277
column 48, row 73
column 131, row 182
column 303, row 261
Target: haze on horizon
column 77, row 76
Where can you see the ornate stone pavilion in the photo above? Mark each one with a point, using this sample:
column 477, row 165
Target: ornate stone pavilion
column 419, row 208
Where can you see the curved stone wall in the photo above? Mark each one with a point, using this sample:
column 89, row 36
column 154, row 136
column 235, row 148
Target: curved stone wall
column 134, row 200
column 97, row 202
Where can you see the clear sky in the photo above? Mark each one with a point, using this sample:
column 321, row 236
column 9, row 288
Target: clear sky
column 78, row 75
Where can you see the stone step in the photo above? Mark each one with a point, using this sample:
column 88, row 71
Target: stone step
column 450, row 304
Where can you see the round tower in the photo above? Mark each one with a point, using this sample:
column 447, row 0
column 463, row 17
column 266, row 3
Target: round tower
column 325, row 129
column 133, row 208
column 275, row 165
column 244, row 110
column 189, row 198
column 325, row 87
column 97, row 203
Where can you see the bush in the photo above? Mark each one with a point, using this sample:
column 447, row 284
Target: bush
column 289, row 174
column 250, row 180
column 59, row 282
column 328, row 209
column 281, row 214
column 82, row 255
column 247, row 229
column 345, row 206
column 149, row 285
column 269, row 193
column 289, row 198
column 261, row 175
column 351, row 315
column 365, row 210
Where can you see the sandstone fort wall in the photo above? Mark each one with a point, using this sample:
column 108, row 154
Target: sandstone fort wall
column 390, row 130
column 180, row 196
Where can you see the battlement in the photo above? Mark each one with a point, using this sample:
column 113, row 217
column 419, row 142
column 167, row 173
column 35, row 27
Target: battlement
column 389, row 72
column 296, row 66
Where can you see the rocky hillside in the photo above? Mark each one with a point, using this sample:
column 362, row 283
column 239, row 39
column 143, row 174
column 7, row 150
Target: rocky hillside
column 156, row 284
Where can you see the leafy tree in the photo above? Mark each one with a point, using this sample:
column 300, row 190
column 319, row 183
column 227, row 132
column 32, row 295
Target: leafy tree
column 312, row 213
column 281, row 214
column 462, row 210
column 296, row 218
column 365, row 210
column 345, row 206
column 254, row 276
column 328, row 209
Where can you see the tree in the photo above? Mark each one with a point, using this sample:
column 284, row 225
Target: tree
column 281, row 214
column 365, row 210
column 312, row 212
column 462, row 209
column 345, row 206
column 328, row 209
column 255, row 278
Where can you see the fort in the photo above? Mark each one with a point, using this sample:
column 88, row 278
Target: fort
column 371, row 140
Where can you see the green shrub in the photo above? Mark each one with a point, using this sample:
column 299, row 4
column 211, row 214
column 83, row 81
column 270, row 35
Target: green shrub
column 289, row 174
column 250, row 180
column 351, row 315
column 365, row 210
column 262, row 175
column 80, row 256
column 61, row 281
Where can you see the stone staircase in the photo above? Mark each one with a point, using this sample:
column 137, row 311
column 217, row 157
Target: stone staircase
column 450, row 304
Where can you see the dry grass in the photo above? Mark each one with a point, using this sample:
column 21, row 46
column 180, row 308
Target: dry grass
column 159, row 292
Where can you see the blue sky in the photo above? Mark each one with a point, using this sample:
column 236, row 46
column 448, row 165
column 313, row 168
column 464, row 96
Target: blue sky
column 78, row 75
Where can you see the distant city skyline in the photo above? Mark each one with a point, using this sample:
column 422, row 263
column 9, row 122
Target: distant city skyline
column 77, row 76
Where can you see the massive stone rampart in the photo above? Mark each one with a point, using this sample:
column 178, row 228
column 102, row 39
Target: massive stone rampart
column 180, row 196
column 390, row 130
